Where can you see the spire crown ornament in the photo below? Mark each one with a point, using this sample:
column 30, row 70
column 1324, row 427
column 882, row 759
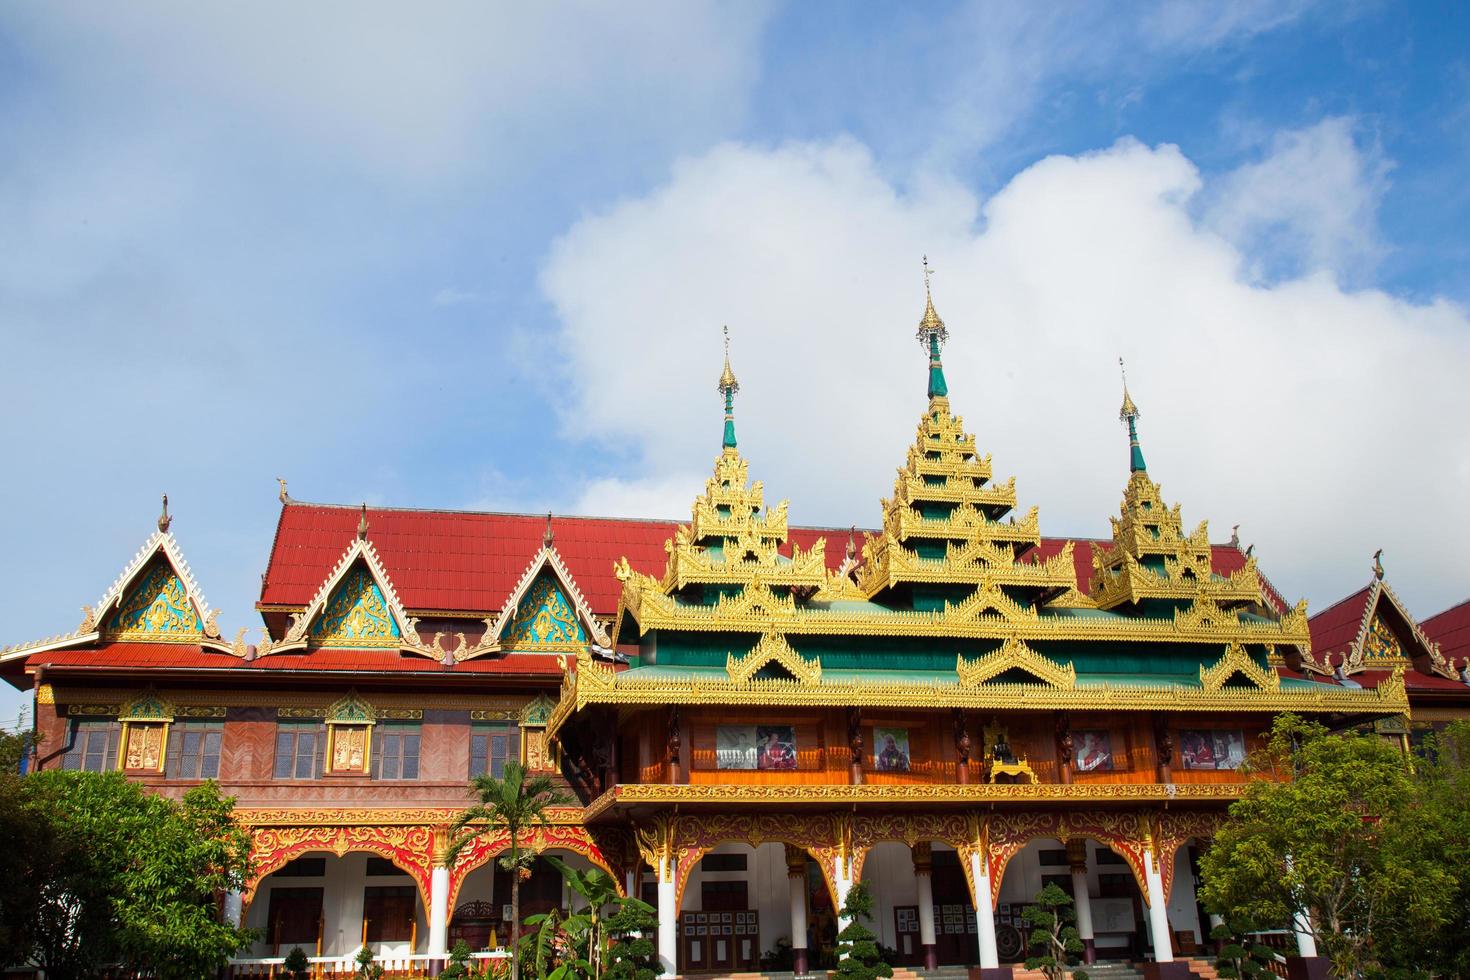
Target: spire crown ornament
column 932, row 335
column 1129, row 414
column 163, row 519
column 362, row 524
column 728, row 386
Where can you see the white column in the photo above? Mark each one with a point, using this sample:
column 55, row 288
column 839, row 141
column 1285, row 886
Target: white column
column 668, row 924
column 844, row 885
column 984, row 912
column 926, row 908
column 1084, row 903
column 438, row 912
column 1306, row 940
column 234, row 906
column 1158, row 911
column 796, row 886
column 1301, row 924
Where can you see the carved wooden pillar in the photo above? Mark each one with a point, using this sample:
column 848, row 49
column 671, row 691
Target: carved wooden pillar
column 855, row 745
column 614, row 753
column 961, row 748
column 1064, row 748
column 674, row 748
column 1164, row 747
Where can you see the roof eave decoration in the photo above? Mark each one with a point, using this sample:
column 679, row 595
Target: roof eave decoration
column 1015, row 655
column 547, row 558
column 1357, row 657
column 596, row 684
column 298, row 637
column 773, row 649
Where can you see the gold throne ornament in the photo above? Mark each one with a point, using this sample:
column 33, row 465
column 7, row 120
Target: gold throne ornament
column 1000, row 759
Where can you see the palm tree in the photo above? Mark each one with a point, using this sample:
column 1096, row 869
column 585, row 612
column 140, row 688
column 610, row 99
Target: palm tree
column 516, row 802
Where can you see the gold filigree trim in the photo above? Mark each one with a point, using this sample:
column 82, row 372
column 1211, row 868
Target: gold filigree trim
column 773, row 649
column 1237, row 661
column 1015, row 655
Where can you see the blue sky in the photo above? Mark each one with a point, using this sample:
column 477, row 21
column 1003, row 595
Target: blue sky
column 479, row 258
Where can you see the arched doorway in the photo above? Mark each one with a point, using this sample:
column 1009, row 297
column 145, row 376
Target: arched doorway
column 331, row 905
column 903, row 899
column 1115, row 908
column 481, row 912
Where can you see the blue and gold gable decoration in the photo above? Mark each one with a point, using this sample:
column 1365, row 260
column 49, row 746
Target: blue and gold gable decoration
column 157, row 607
column 544, row 613
column 544, row 620
column 356, row 607
column 356, row 614
column 154, row 600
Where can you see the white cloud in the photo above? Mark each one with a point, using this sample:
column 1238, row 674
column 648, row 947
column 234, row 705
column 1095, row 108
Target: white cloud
column 1317, row 418
column 1310, row 204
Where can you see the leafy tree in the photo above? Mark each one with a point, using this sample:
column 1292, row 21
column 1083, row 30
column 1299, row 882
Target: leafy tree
column 126, row 877
column 551, row 945
column 1439, row 826
column 458, row 967
column 296, row 965
column 1053, row 938
column 599, row 890
column 516, row 802
column 1330, row 833
column 632, row 954
column 1241, row 958
column 366, row 968
column 857, row 947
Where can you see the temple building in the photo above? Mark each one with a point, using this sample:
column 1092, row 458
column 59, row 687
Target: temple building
column 750, row 717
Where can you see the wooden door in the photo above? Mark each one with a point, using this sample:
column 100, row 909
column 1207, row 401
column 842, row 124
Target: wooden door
column 906, row 933
column 294, row 919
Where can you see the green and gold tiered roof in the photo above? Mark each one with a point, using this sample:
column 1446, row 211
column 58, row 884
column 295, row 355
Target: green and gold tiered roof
column 951, row 605
column 1151, row 559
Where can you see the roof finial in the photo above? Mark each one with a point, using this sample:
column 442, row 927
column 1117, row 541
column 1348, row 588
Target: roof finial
column 1378, row 564
column 852, row 542
column 1129, row 413
column 727, row 387
column 932, row 335
column 546, row 536
column 362, row 524
column 283, row 496
column 1235, row 536
column 163, row 519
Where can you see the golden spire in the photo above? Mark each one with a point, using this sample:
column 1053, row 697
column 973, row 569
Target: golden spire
column 1129, row 414
column 930, row 325
column 727, row 387
column 1129, row 410
column 728, row 384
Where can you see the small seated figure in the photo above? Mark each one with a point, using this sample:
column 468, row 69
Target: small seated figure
column 1003, row 760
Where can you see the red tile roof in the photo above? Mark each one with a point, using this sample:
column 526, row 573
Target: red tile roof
column 463, row 561
column 1335, row 628
column 1451, row 630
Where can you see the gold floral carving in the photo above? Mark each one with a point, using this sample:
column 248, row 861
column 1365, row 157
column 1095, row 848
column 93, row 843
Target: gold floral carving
column 841, row 794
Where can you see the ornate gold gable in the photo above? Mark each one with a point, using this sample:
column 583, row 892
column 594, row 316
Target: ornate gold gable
column 1377, row 645
column 1236, row 661
column 1015, row 655
column 773, row 649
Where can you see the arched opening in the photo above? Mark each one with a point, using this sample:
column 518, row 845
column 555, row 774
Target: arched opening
column 752, row 908
column 331, row 905
column 480, row 914
column 1115, row 904
column 1188, row 918
column 903, row 913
